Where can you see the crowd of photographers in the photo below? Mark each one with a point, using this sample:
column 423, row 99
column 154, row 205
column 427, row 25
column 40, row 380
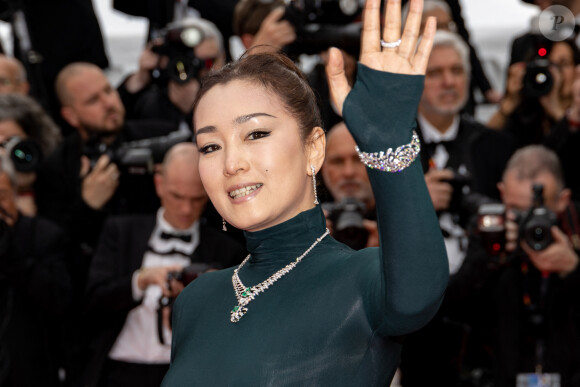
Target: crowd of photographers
column 102, row 221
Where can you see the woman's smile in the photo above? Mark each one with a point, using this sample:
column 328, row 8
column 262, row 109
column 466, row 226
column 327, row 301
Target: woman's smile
column 244, row 193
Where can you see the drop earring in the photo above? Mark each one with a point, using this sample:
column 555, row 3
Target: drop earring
column 224, row 228
column 314, row 184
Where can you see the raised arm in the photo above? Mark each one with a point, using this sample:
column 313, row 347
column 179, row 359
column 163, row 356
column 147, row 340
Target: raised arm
column 380, row 112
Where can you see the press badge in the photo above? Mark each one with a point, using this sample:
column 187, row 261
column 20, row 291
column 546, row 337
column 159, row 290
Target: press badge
column 538, row 380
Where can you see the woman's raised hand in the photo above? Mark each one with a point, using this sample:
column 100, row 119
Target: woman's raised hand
column 402, row 57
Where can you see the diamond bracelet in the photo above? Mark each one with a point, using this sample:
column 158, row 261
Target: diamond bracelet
column 392, row 161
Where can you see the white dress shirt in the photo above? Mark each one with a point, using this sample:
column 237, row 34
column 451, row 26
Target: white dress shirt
column 456, row 242
column 138, row 341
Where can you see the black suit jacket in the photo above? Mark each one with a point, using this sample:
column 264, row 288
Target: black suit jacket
column 120, row 253
column 484, row 152
column 35, row 291
column 58, row 193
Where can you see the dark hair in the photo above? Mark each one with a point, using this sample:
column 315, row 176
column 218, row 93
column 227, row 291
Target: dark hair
column 277, row 74
column 32, row 118
column 249, row 15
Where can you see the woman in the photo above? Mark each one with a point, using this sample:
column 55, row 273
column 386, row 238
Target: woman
column 531, row 118
column 303, row 309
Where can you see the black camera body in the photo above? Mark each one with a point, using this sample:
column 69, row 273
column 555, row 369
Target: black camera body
column 534, row 224
column 347, row 217
column 179, row 41
column 136, row 157
column 320, row 24
column 188, row 273
column 25, row 155
column 538, row 80
column 461, row 184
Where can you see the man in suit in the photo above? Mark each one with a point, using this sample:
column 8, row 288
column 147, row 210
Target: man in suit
column 35, row 290
column 129, row 275
column 463, row 161
column 79, row 185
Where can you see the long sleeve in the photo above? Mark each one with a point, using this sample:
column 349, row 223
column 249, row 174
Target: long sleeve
column 414, row 262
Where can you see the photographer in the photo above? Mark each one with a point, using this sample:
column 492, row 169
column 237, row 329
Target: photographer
column 309, row 27
column 35, row 291
column 27, row 133
column 527, row 290
column 79, row 185
column 135, row 267
column 538, row 92
column 170, row 69
column 260, row 23
column 351, row 215
column 462, row 159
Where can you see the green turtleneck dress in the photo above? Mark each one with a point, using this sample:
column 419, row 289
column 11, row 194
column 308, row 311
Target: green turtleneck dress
column 331, row 320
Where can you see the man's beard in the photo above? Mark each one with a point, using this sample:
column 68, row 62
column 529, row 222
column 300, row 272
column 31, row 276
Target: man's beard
column 454, row 109
column 101, row 135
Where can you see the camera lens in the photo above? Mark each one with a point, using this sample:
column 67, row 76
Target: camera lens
column 538, row 236
column 25, row 156
column 538, row 80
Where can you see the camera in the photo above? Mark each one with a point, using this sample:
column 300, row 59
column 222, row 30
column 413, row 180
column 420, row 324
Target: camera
column 185, row 276
column 25, row 155
column 321, row 24
column 461, row 184
column 538, row 80
column 534, row 224
column 347, row 217
column 188, row 273
column 179, row 41
column 136, row 157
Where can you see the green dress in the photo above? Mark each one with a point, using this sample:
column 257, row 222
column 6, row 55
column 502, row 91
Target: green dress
column 334, row 319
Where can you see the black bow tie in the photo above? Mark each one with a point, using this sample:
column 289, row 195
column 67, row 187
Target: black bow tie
column 431, row 146
column 184, row 237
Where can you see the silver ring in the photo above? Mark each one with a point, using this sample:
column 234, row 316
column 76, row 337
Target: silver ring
column 390, row 44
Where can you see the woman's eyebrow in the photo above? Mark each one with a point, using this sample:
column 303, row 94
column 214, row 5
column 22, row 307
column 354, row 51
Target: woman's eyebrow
column 238, row 120
column 205, row 129
column 248, row 117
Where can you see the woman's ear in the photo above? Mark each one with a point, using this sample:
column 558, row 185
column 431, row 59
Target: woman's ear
column 316, row 148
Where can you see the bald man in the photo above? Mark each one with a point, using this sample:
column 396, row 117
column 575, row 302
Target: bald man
column 130, row 273
column 12, row 76
column 79, row 185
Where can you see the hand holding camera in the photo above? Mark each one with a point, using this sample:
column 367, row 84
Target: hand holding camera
column 148, row 61
column 100, row 183
column 533, row 230
column 440, row 188
column 558, row 257
column 159, row 276
column 275, row 31
column 552, row 102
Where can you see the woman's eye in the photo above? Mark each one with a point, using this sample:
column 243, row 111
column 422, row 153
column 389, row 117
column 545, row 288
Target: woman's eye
column 209, row 148
column 258, row 134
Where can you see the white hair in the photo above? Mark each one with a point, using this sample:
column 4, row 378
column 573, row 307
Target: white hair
column 428, row 6
column 453, row 40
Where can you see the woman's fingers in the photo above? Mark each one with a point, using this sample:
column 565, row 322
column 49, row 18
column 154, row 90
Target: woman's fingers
column 371, row 30
column 392, row 26
column 421, row 58
column 412, row 29
column 337, row 82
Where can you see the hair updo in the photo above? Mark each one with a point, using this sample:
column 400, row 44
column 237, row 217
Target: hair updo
column 277, row 74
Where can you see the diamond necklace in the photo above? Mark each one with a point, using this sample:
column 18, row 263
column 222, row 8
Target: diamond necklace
column 246, row 294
